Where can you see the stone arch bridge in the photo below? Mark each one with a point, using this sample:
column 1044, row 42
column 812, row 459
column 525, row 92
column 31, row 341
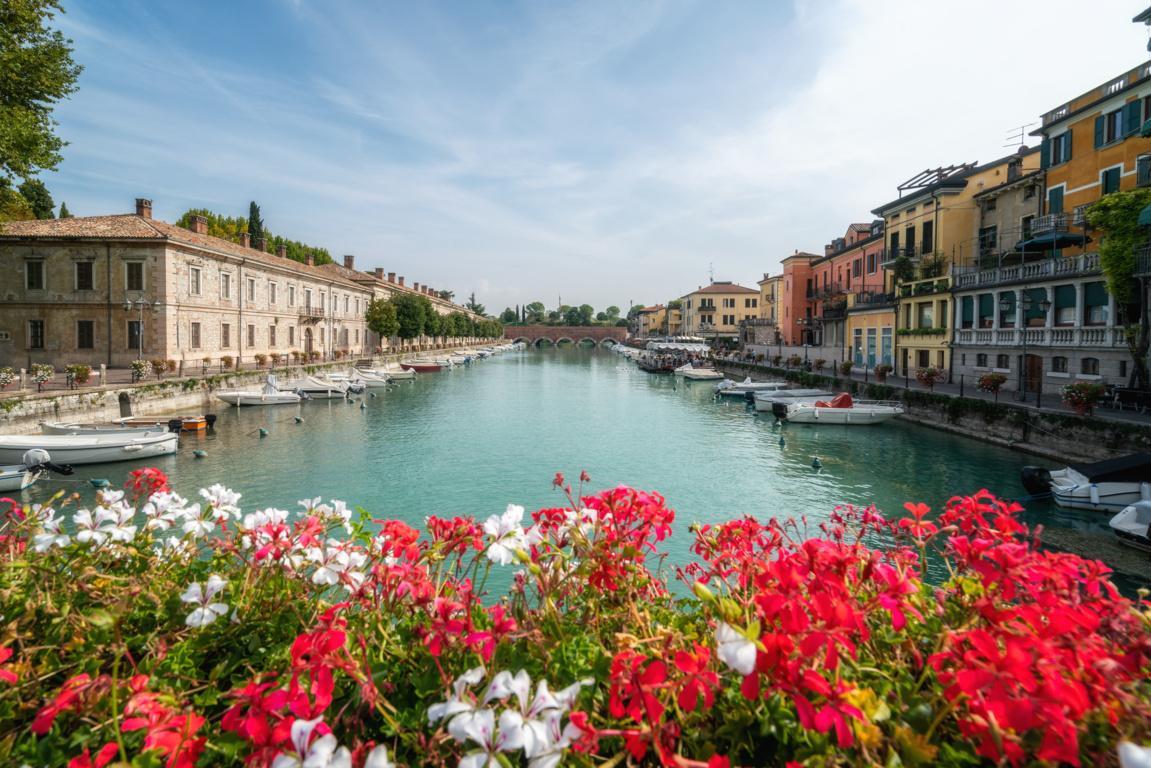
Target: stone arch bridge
column 537, row 335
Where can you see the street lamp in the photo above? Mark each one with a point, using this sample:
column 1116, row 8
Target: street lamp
column 809, row 326
column 1026, row 304
column 140, row 304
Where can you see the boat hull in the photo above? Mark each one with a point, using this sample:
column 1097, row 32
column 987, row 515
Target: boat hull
column 64, row 428
column 702, row 374
column 1133, row 525
column 421, row 367
column 244, row 399
column 16, row 478
column 89, row 449
column 804, row 414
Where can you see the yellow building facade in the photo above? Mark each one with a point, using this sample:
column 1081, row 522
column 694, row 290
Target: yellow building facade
column 716, row 310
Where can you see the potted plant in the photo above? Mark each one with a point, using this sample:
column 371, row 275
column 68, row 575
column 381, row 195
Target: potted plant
column 794, row 361
column 226, row 361
column 882, row 370
column 845, row 368
column 991, row 382
column 819, row 363
column 140, row 369
column 171, row 365
column 1082, row 396
column 158, row 367
column 276, row 356
column 776, row 360
column 7, row 376
column 313, row 356
column 929, row 376
column 79, row 372
column 261, row 359
column 42, row 373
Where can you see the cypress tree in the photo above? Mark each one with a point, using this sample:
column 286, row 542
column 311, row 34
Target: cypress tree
column 255, row 223
column 64, row 212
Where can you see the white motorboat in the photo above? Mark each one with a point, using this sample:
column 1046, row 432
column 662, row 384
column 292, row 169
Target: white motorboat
column 369, row 379
column 747, row 387
column 394, row 372
column 701, row 373
column 1101, row 485
column 318, row 389
column 34, row 464
column 765, row 401
column 67, row 428
column 355, row 384
column 89, row 449
column 271, row 394
column 1133, row 525
column 841, row 409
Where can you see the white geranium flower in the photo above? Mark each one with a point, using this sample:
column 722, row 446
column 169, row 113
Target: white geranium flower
column 222, row 501
column 108, row 497
column 89, row 528
column 1134, row 756
column 378, row 758
column 201, row 596
column 507, row 534
column 324, row 752
column 735, row 650
column 456, row 703
column 51, row 534
column 504, row 685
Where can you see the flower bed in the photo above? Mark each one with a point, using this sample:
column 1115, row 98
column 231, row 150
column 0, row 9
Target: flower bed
column 184, row 634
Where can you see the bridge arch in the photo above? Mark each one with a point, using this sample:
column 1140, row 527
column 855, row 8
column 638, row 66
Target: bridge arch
column 592, row 341
column 537, row 335
column 562, row 339
column 543, row 341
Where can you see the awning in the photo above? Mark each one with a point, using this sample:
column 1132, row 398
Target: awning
column 1145, row 217
column 1051, row 240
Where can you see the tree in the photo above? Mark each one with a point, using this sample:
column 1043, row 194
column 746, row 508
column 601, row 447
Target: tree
column 601, row 317
column 634, row 311
column 409, row 315
column 381, row 318
column 508, row 315
column 1117, row 216
column 13, row 206
column 534, row 312
column 612, row 313
column 37, row 71
column 64, row 212
column 586, row 314
column 572, row 316
column 255, row 222
column 433, row 320
column 447, row 295
column 479, row 309
column 39, row 199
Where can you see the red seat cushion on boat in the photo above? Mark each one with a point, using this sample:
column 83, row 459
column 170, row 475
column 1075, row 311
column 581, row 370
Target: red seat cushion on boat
column 842, row 400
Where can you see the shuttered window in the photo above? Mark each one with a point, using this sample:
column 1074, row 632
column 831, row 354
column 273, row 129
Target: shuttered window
column 1095, row 304
column 986, row 310
column 967, row 310
column 1036, row 313
column 1065, row 305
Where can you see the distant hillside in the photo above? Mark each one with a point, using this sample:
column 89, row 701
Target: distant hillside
column 231, row 227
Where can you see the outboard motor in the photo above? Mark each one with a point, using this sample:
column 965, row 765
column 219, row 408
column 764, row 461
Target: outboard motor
column 175, row 425
column 779, row 410
column 210, row 420
column 1037, row 480
column 38, row 458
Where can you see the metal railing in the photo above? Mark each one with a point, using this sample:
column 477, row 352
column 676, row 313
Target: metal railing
column 1051, row 222
column 1064, row 266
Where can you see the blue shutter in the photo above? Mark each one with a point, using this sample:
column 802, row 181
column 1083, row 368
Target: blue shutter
column 1131, row 114
column 1099, row 131
column 1066, row 147
column 1045, row 153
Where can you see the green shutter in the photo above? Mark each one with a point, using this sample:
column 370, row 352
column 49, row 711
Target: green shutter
column 968, row 307
column 1045, row 153
column 1055, row 200
column 1099, row 131
column 1131, row 114
column 986, row 305
column 1036, row 295
column 1066, row 147
column 1064, row 296
column 1095, row 294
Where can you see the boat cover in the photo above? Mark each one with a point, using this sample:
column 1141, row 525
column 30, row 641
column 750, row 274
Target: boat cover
column 1135, row 468
column 842, row 400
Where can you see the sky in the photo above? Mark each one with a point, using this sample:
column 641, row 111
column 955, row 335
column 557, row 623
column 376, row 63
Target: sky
column 606, row 153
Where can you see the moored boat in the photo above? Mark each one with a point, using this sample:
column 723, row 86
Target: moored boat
column 694, row 372
column 1101, row 485
column 34, row 464
column 420, row 366
column 747, row 387
column 765, row 400
column 271, row 394
column 318, row 389
column 174, row 423
column 1133, row 525
column 841, row 409
column 89, row 449
column 68, row 428
column 394, row 372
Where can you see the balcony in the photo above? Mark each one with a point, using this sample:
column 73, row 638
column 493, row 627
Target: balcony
column 870, row 300
column 752, row 322
column 1052, row 222
column 312, row 314
column 1033, row 271
column 924, row 287
column 1093, row 337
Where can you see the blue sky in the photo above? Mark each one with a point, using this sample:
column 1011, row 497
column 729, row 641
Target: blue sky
column 605, row 152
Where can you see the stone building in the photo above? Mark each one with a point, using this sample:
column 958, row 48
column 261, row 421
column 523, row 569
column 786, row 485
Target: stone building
column 716, row 311
column 113, row 289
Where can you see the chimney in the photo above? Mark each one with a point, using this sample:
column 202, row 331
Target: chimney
column 311, row 260
column 200, row 224
column 379, row 273
column 401, row 281
column 349, row 261
column 144, row 207
column 245, row 240
column 282, row 251
column 417, row 287
column 260, row 244
column 391, row 277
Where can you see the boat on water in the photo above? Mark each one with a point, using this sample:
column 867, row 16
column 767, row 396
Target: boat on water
column 89, row 449
column 1133, row 525
column 421, row 366
column 393, row 371
column 33, row 465
column 1101, row 485
column 318, row 389
column 271, row 394
column 369, row 379
column 747, row 387
column 841, row 409
column 698, row 372
column 175, row 423
column 765, row 400
column 69, row 428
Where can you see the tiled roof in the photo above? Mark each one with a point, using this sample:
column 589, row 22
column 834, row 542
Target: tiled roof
column 725, row 288
column 860, row 227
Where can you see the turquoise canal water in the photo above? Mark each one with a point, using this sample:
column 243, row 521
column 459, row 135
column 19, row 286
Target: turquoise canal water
column 473, row 439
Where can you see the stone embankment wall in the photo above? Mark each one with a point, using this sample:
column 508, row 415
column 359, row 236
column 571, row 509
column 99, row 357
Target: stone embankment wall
column 22, row 412
column 1063, row 437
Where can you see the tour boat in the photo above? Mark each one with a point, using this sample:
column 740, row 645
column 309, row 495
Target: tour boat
column 89, row 449
column 1101, row 485
column 269, row 395
column 747, row 387
column 33, row 464
column 68, row 428
column 420, row 366
column 841, row 409
column 765, row 400
column 1133, row 525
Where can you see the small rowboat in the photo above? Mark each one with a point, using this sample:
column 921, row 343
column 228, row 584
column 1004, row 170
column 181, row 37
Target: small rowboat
column 89, row 449
column 34, row 464
column 66, row 428
column 187, row 423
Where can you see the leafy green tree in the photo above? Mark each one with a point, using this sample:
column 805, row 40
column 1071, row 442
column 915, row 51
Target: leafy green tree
column 381, row 318
column 675, row 304
column 634, row 311
column 535, row 312
column 39, row 199
column 572, row 316
column 255, row 222
column 433, row 320
column 601, row 317
column 1117, row 216
column 64, row 212
column 555, row 317
column 13, row 206
column 230, row 228
column 586, row 314
column 409, row 315
column 508, row 315
column 612, row 313
column 36, row 71
column 447, row 295
column 475, row 306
